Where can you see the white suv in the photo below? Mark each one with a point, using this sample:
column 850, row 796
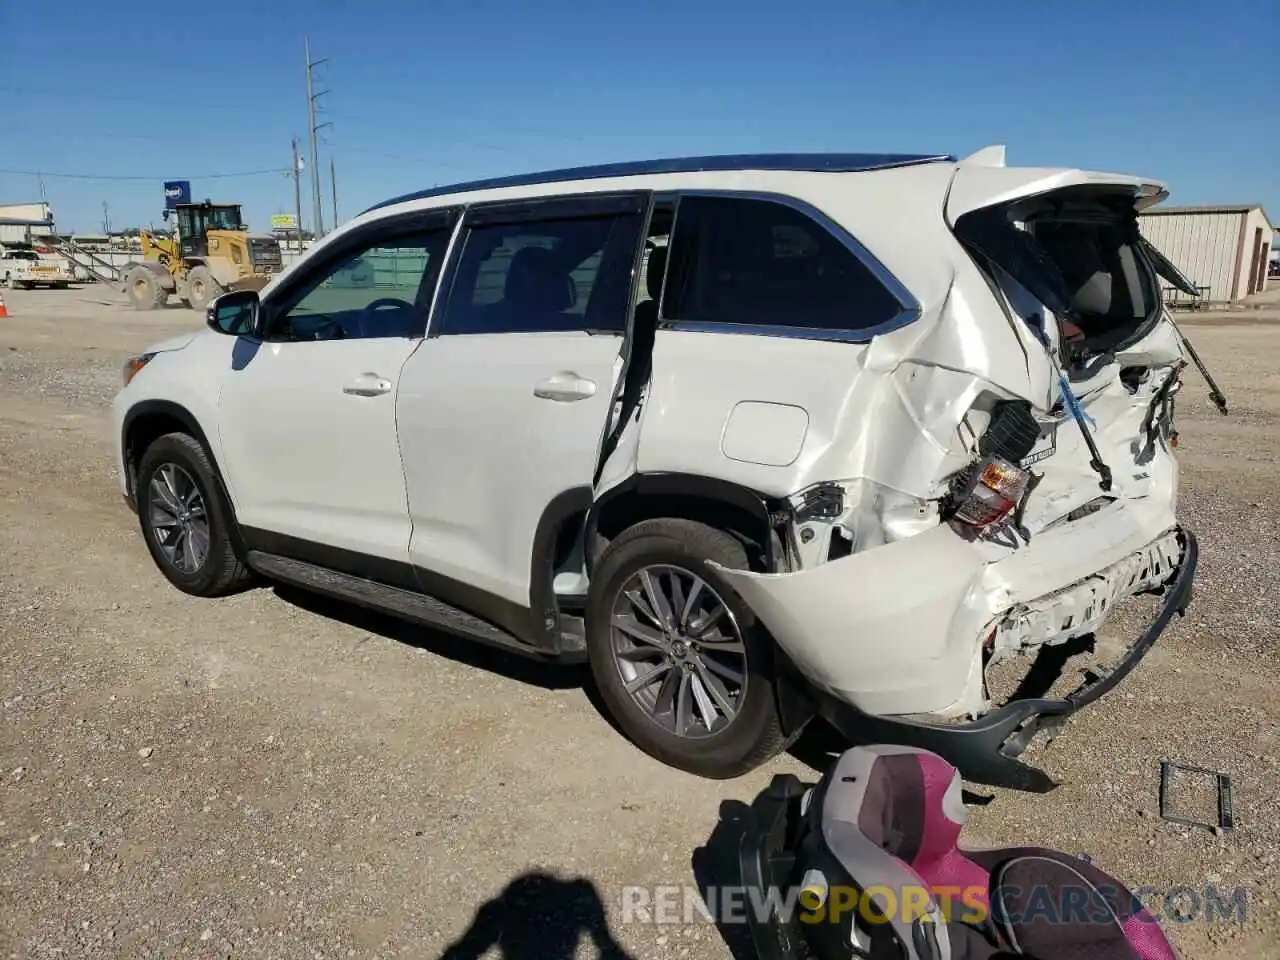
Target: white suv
column 759, row 437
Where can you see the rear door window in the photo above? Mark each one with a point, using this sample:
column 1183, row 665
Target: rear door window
column 737, row 260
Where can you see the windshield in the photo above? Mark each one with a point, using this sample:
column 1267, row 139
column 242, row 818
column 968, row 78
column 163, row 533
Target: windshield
column 224, row 218
column 23, row 255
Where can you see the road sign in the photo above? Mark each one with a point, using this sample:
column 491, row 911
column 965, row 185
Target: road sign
column 176, row 192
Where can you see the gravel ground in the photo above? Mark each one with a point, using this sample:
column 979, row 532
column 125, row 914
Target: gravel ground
column 276, row 776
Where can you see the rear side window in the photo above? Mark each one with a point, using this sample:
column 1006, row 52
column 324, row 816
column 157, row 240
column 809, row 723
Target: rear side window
column 760, row 262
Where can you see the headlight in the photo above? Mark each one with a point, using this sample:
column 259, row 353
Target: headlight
column 134, row 364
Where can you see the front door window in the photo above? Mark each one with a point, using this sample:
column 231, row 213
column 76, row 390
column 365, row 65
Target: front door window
column 381, row 291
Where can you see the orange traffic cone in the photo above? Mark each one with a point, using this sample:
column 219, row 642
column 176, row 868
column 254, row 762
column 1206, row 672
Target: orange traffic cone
column 3, row 311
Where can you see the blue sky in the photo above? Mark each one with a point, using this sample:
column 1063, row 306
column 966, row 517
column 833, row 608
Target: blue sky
column 427, row 93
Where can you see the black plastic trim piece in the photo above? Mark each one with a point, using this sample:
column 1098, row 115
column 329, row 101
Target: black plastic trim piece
column 545, row 608
column 402, row 575
column 799, row 162
column 686, row 485
column 568, row 206
column 1226, row 815
column 373, row 595
column 986, row 750
column 175, row 411
column 167, row 408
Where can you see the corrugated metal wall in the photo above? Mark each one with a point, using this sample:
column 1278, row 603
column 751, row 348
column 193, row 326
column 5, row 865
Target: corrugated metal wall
column 1201, row 245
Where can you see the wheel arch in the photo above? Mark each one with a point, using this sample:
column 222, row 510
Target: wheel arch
column 738, row 510
column 147, row 421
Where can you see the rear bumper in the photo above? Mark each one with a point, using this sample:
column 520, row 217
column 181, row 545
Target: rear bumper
column 899, row 629
column 987, row 750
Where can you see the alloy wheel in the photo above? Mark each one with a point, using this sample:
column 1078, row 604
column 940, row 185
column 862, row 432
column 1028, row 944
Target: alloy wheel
column 179, row 518
column 679, row 651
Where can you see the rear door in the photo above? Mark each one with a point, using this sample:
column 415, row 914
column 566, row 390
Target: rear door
column 502, row 410
column 767, row 315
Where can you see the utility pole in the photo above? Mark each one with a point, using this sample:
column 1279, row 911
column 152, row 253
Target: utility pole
column 312, row 127
column 106, row 219
column 333, row 182
column 297, row 192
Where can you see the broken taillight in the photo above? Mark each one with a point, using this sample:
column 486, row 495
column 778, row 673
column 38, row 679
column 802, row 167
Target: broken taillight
column 993, row 490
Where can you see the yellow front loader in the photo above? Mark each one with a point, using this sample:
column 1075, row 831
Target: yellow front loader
column 209, row 252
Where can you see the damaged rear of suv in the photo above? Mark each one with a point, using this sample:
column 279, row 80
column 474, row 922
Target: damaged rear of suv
column 1006, row 474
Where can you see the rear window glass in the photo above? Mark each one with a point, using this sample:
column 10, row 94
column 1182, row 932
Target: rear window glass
column 1098, row 266
column 745, row 261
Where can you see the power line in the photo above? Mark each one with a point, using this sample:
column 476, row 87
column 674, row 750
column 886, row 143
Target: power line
column 532, row 131
column 105, row 135
column 80, row 95
column 461, row 141
column 98, row 176
column 352, row 148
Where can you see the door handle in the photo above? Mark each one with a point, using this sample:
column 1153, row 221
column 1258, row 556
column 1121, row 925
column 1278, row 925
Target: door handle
column 565, row 386
column 367, row 385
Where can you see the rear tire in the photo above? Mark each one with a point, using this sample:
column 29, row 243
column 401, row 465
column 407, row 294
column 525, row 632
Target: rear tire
column 202, row 289
column 664, row 551
column 144, row 289
column 178, row 493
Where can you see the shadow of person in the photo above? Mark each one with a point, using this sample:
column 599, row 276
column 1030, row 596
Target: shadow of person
column 539, row 917
column 716, row 869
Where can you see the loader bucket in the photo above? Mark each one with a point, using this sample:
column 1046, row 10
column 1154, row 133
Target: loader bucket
column 256, row 282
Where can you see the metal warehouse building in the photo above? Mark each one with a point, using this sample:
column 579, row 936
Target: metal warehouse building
column 24, row 222
column 1225, row 250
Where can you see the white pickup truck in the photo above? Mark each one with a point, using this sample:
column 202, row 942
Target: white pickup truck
column 23, row 269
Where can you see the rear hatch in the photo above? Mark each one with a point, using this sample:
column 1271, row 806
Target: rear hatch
column 1067, row 263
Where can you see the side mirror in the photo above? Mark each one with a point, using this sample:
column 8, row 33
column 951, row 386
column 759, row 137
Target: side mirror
column 235, row 313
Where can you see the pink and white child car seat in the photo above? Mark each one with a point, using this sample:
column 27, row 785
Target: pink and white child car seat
column 872, row 854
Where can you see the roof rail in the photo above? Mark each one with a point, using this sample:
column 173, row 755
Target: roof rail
column 806, row 162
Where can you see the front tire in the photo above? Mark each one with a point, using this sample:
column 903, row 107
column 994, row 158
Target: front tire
column 202, row 289
column 185, row 518
column 679, row 659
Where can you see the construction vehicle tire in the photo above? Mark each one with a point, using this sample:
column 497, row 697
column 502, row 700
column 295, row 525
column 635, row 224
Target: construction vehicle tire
column 144, row 289
column 202, row 289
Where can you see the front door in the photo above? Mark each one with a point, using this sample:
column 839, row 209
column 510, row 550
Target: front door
column 308, row 413
column 502, row 410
